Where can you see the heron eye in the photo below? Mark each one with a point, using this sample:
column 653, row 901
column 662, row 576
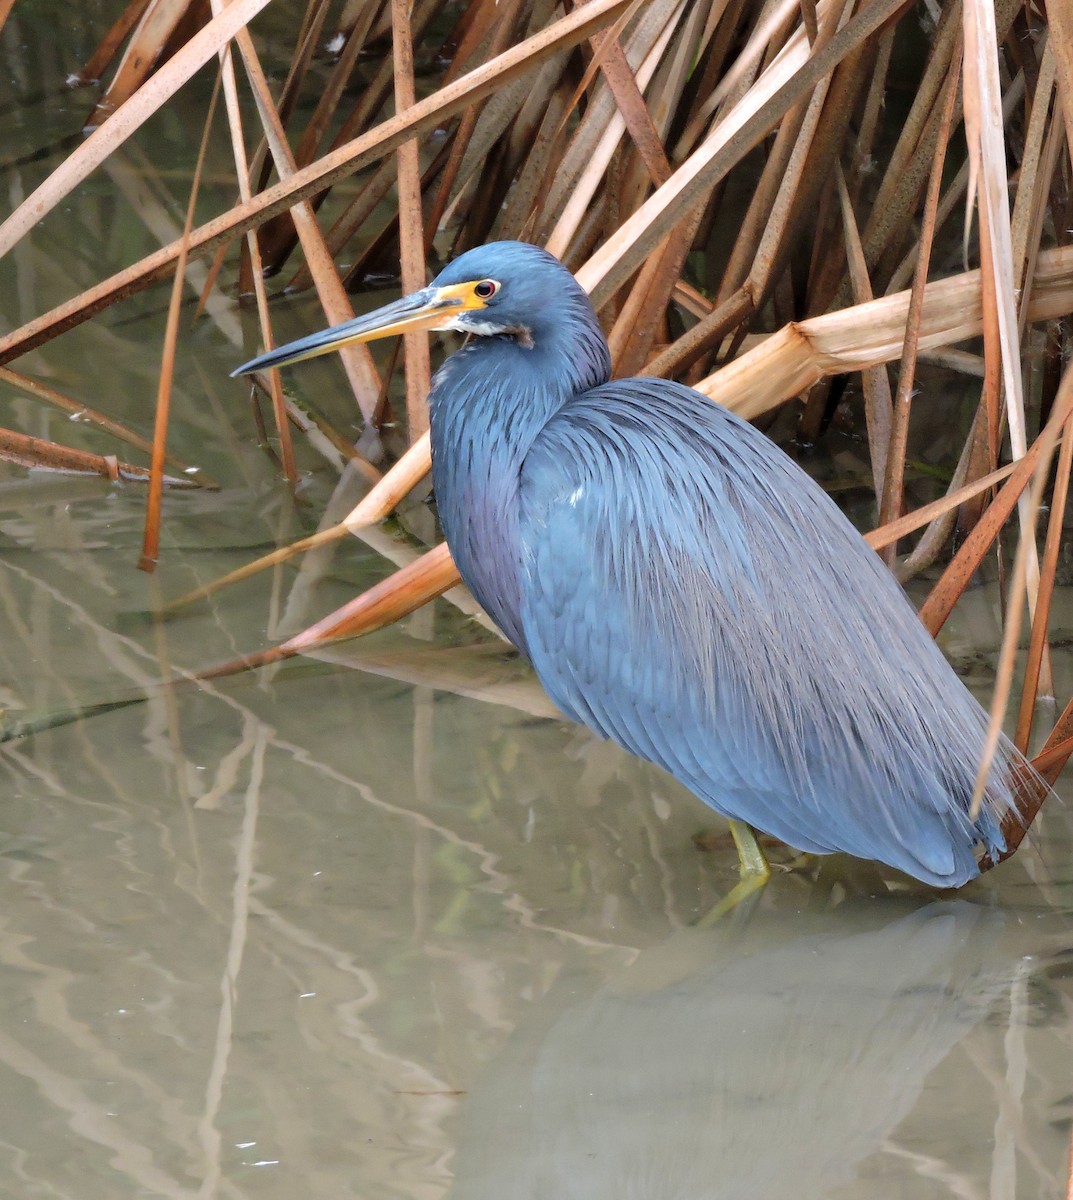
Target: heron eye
column 486, row 289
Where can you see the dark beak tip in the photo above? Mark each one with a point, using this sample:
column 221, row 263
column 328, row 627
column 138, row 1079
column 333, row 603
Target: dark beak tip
column 248, row 368
column 327, row 339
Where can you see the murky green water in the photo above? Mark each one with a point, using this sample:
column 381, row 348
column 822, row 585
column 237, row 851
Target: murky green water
column 379, row 926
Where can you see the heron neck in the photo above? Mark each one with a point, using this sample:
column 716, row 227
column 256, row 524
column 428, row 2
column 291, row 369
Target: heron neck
column 487, row 405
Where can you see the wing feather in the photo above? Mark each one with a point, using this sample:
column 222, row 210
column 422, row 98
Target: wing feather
column 692, row 595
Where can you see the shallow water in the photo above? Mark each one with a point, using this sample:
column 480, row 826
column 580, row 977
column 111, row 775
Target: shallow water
column 379, row 925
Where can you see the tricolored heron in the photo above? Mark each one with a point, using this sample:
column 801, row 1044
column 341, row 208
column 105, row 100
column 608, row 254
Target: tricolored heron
column 682, row 587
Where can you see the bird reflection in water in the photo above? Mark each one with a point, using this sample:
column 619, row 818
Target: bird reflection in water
column 729, row 1067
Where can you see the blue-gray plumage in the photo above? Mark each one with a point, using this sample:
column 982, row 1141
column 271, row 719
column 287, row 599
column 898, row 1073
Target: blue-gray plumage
column 682, row 587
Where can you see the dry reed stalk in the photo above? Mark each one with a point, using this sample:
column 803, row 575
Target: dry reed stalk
column 151, row 536
column 489, row 152
column 708, row 333
column 1025, row 255
column 469, row 36
column 771, row 29
column 382, row 605
column 972, row 460
column 809, row 205
column 643, row 311
column 1051, row 761
column 636, row 324
column 315, row 426
column 1033, row 178
column 357, row 211
column 1020, row 588
column 382, row 498
column 488, row 163
column 987, row 173
column 937, row 536
column 242, row 174
column 375, row 93
column 954, row 194
column 1038, row 168
column 929, row 514
column 430, row 575
column 378, row 252
column 212, row 276
column 631, row 106
column 894, row 476
column 864, row 143
column 1037, row 645
column 411, row 224
column 357, row 361
column 322, row 537
column 40, row 454
column 747, row 243
column 987, row 155
column 805, row 197
column 878, row 405
column 1056, row 750
column 503, row 25
column 1049, row 764
column 1060, row 38
column 965, row 563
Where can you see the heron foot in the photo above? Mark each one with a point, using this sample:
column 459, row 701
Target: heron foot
column 755, row 873
column 751, row 859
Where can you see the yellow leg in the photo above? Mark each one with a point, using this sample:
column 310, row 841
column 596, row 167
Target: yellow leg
column 753, row 862
column 755, row 872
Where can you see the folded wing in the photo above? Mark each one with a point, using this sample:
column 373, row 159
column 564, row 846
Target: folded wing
column 691, row 594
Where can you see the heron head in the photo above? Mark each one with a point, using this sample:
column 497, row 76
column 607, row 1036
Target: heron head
column 507, row 289
column 512, row 289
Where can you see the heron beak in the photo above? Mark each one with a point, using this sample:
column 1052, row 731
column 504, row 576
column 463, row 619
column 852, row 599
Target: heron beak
column 430, row 308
